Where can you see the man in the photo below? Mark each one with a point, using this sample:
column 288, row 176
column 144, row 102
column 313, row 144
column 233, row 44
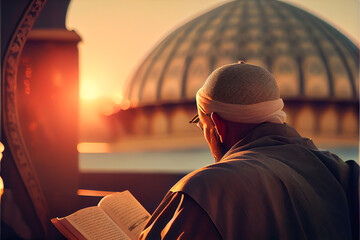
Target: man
column 268, row 182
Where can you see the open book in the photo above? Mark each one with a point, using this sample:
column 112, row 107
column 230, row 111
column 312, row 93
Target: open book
column 117, row 216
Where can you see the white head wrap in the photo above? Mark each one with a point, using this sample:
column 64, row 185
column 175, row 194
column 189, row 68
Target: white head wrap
column 267, row 111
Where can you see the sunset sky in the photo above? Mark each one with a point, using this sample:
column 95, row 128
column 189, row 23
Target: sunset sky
column 117, row 34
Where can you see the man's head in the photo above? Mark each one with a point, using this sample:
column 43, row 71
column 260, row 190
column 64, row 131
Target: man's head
column 241, row 83
column 234, row 99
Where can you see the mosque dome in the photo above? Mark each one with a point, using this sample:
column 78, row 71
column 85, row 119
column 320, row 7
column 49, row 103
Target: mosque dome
column 315, row 65
column 310, row 59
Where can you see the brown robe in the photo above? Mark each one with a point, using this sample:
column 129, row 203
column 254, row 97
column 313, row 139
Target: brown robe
column 273, row 184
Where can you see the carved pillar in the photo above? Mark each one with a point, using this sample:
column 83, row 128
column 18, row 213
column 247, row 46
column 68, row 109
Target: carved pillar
column 39, row 115
column 15, row 145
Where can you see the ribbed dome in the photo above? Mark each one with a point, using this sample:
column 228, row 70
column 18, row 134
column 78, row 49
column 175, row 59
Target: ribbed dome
column 309, row 58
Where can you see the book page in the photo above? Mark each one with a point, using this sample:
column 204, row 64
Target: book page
column 126, row 211
column 93, row 223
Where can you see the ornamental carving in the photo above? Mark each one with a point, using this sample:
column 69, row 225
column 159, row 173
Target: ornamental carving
column 10, row 110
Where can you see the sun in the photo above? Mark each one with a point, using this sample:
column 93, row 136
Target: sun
column 89, row 91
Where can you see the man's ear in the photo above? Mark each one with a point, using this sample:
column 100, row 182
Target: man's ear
column 220, row 126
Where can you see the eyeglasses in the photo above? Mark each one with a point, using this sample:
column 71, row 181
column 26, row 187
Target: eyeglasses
column 196, row 119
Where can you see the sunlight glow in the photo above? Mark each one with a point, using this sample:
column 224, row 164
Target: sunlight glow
column 93, row 193
column 93, row 147
column 2, row 148
column 89, row 91
column 121, row 102
column 118, row 98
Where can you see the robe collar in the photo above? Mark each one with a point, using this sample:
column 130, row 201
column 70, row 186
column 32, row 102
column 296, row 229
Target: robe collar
column 270, row 134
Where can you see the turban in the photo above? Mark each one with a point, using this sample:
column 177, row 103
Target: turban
column 266, row 111
column 242, row 93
